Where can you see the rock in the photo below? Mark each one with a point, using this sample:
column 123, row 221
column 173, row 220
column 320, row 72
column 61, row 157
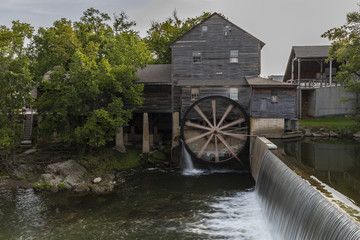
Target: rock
column 81, row 188
column 320, row 134
column 333, row 134
column 64, row 175
column 307, row 133
column 357, row 135
column 97, row 180
column 25, row 171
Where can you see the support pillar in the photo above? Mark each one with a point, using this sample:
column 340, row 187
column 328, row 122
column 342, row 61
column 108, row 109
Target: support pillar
column 146, row 135
column 175, row 129
column 120, row 146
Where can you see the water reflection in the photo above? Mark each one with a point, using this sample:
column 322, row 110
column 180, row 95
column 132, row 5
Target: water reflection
column 336, row 163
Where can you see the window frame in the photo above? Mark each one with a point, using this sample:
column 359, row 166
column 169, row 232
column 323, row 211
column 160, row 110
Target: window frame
column 234, row 56
column 194, row 94
column 234, row 94
column 196, row 57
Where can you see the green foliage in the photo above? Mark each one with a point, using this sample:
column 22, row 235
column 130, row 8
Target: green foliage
column 15, row 84
column 89, row 90
column 345, row 49
column 161, row 35
column 109, row 160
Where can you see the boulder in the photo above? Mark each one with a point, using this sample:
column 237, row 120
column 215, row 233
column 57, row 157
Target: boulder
column 357, row 135
column 25, row 171
column 307, row 133
column 64, row 175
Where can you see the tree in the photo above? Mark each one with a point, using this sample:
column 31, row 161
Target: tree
column 91, row 89
column 162, row 34
column 15, row 84
column 345, row 49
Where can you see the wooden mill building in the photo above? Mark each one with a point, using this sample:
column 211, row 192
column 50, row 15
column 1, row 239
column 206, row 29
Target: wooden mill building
column 215, row 58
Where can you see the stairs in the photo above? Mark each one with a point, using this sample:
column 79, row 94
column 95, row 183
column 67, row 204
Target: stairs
column 28, row 123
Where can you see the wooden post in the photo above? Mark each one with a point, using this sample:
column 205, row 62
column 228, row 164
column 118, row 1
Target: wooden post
column 146, row 135
column 120, row 146
column 175, row 129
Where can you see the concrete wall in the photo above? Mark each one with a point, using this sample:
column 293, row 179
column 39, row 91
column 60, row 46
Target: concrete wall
column 258, row 148
column 267, row 127
column 328, row 101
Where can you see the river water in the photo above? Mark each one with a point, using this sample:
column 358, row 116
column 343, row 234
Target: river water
column 151, row 205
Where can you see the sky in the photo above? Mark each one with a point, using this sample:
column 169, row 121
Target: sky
column 281, row 24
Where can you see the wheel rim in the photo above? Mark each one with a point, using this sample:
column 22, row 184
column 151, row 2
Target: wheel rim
column 215, row 129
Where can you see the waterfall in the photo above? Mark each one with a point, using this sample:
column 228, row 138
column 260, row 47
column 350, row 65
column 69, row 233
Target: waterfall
column 189, row 166
column 296, row 210
column 188, row 163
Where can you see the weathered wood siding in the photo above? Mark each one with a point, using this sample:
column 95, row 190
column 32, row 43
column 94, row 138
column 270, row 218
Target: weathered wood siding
column 177, row 99
column 243, row 96
column 157, row 99
column 263, row 107
column 215, row 53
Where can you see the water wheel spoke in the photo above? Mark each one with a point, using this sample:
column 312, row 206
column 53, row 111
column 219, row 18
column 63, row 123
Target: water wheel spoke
column 229, row 148
column 195, row 125
column 240, row 120
column 216, row 151
column 234, row 135
column 228, row 109
column 198, row 110
column 190, row 140
column 205, row 146
column 213, row 104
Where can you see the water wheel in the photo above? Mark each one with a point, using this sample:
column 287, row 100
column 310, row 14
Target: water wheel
column 215, row 129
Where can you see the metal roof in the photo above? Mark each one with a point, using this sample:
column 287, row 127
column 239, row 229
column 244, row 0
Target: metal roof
column 311, row 51
column 155, row 74
column 265, row 82
column 211, row 82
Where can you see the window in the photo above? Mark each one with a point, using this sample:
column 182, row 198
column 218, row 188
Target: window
column 274, row 96
column 234, row 93
column 195, row 94
column 227, row 30
column 196, row 56
column 204, row 28
column 234, row 56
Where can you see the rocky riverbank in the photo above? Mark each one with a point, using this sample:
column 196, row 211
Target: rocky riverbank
column 325, row 133
column 97, row 173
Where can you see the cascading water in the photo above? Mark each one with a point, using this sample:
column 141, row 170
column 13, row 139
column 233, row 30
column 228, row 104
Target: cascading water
column 189, row 166
column 296, row 210
column 188, row 163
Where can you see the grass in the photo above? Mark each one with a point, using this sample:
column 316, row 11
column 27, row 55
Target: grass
column 335, row 124
column 108, row 159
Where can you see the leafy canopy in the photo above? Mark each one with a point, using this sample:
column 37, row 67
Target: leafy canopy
column 88, row 69
column 345, row 49
column 162, row 34
column 15, row 84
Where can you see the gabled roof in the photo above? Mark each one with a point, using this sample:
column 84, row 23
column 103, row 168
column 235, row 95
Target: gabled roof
column 306, row 52
column 311, row 51
column 155, row 74
column 216, row 14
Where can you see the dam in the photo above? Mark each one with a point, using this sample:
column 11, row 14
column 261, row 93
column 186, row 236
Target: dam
column 293, row 207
